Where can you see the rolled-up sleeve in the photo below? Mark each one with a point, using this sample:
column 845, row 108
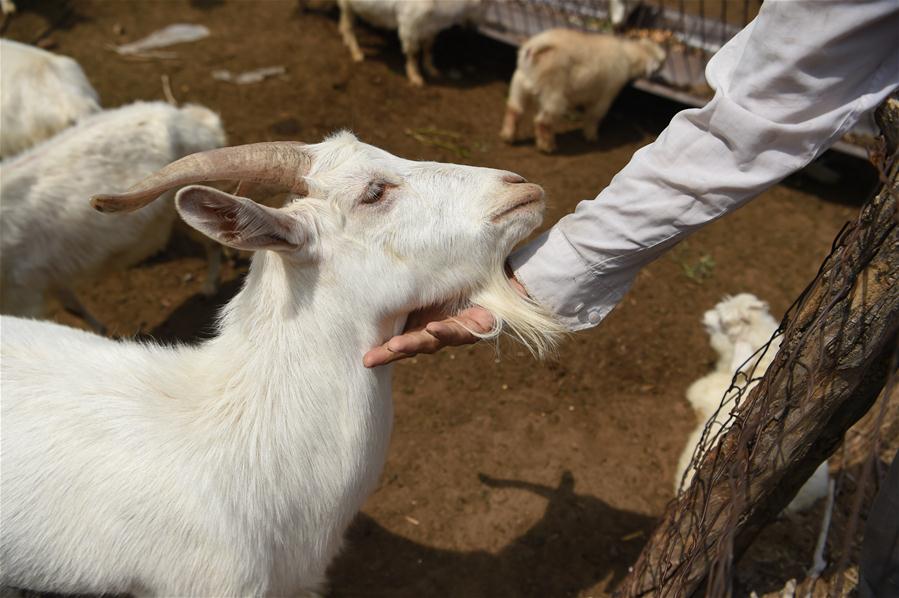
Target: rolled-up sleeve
column 786, row 88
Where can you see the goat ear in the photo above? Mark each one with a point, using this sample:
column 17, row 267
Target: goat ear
column 239, row 222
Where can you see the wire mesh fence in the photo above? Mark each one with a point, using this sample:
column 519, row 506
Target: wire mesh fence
column 690, row 30
column 836, row 363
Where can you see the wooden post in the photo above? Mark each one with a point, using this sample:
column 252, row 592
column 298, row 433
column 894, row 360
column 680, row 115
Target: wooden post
column 838, row 342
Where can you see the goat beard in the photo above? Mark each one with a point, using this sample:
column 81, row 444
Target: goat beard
column 521, row 317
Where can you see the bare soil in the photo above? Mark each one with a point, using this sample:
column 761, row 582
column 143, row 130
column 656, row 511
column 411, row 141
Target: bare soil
column 506, row 477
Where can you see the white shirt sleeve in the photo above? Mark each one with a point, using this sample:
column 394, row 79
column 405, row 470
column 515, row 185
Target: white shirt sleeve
column 787, row 87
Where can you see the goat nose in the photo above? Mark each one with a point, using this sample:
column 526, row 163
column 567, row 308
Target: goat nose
column 513, row 178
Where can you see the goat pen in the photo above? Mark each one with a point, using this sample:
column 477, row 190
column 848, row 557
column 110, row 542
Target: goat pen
column 690, row 30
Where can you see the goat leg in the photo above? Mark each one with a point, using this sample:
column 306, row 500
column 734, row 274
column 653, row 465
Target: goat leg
column 349, row 36
column 428, row 58
column 543, row 130
column 595, row 114
column 510, row 124
column 412, row 72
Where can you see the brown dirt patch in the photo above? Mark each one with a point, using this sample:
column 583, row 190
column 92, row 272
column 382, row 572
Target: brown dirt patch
column 505, row 477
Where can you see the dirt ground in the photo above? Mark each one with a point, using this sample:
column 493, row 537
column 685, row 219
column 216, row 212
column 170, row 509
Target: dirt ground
column 506, row 477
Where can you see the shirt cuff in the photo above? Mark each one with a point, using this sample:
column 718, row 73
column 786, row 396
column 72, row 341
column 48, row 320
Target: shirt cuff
column 556, row 277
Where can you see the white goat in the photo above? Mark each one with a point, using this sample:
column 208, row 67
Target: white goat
column 233, row 467
column 737, row 327
column 50, row 238
column 561, row 69
column 417, row 24
column 40, row 94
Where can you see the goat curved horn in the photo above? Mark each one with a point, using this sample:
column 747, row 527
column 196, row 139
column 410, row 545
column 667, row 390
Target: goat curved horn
column 277, row 163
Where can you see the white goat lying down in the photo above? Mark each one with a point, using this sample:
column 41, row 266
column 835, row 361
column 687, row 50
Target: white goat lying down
column 233, row 467
column 40, row 94
column 417, row 24
column 737, row 327
column 51, row 239
column 561, row 69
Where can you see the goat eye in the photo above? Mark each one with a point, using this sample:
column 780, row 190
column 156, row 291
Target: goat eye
column 374, row 193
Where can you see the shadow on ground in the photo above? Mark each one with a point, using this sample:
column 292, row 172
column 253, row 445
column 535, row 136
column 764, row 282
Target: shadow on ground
column 569, row 549
column 195, row 319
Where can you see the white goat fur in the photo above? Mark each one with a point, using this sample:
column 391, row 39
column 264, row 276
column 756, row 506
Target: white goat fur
column 233, row 467
column 40, row 94
column 561, row 69
column 417, row 24
column 737, row 327
column 50, row 238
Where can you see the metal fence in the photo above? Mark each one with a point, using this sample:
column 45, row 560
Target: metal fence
column 691, row 31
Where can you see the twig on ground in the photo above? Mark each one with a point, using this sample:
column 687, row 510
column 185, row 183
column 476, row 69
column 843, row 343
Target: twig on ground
column 448, row 140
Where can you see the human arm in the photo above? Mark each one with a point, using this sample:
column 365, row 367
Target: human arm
column 787, row 87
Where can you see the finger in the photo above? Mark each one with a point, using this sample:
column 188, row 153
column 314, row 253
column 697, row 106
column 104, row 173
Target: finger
column 480, row 319
column 382, row 356
column 401, row 347
column 419, row 318
column 452, row 333
column 430, row 339
column 416, row 341
column 460, row 330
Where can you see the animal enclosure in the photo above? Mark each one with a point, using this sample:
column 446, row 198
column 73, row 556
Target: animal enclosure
column 691, row 31
column 696, row 28
column 505, row 477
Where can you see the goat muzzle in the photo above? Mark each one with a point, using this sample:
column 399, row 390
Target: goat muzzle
column 280, row 164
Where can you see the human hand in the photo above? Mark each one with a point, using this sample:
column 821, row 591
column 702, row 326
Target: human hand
column 431, row 329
